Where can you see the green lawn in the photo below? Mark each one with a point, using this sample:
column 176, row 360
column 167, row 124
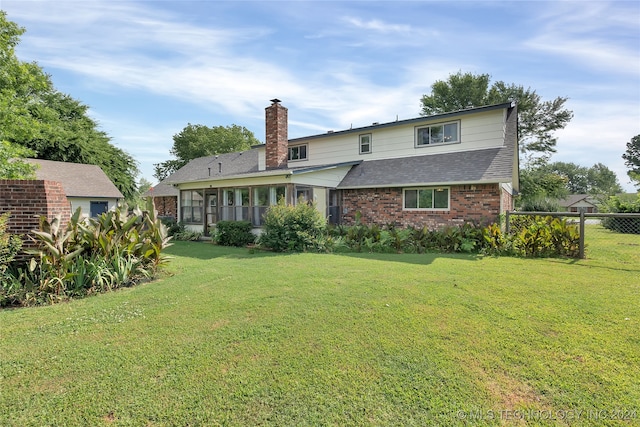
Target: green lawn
column 230, row 337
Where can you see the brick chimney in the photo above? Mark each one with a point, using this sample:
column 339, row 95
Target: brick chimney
column 276, row 135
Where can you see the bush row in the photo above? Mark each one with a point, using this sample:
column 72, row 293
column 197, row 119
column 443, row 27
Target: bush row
column 118, row 248
column 302, row 228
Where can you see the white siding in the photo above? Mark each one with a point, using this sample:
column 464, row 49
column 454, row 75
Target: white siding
column 320, row 199
column 329, row 178
column 237, row 182
column 85, row 204
column 477, row 131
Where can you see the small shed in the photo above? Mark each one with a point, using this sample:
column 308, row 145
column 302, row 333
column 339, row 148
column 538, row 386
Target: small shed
column 86, row 186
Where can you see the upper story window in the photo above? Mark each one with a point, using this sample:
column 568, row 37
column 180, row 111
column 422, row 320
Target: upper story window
column 298, row 152
column 441, row 133
column 365, row 143
column 426, row 199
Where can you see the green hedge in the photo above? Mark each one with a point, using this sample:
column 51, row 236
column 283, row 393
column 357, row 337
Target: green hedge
column 233, row 233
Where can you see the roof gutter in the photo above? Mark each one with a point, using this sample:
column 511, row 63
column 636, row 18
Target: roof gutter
column 423, row 184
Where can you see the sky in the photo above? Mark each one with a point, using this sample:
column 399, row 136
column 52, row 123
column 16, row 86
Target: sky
column 148, row 68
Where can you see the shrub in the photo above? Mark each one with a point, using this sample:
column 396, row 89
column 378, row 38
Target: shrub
column 616, row 204
column 233, row 233
column 172, row 225
column 118, row 248
column 534, row 236
column 290, row 228
column 10, row 244
column 187, row 235
column 540, row 204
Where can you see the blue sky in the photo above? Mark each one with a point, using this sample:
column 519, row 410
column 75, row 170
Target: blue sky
column 148, row 68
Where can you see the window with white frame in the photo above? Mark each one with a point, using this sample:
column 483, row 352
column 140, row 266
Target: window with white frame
column 441, row 133
column 365, row 143
column 298, row 152
column 426, row 199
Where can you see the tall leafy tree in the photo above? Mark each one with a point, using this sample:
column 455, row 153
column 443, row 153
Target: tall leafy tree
column 603, row 180
column 632, row 160
column 12, row 165
column 537, row 183
column 55, row 126
column 199, row 140
column 597, row 179
column 537, row 119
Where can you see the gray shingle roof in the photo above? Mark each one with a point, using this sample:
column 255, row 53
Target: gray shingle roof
column 489, row 165
column 77, row 179
column 161, row 190
column 218, row 166
column 572, row 199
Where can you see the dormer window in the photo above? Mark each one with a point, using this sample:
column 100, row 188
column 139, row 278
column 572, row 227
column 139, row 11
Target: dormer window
column 298, row 152
column 365, row 143
column 441, row 133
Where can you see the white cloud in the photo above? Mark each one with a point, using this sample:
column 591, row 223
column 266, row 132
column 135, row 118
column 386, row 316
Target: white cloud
column 377, row 25
column 596, row 34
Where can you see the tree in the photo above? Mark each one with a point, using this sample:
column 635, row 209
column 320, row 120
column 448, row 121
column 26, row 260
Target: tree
column 11, row 164
column 602, row 180
column 632, row 160
column 55, row 126
column 199, row 140
column 138, row 200
column 598, row 179
column 537, row 119
column 539, row 183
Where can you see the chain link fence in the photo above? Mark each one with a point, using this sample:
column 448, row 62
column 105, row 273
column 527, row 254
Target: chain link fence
column 612, row 228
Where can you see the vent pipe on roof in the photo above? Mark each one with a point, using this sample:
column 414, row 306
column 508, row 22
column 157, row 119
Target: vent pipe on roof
column 219, row 167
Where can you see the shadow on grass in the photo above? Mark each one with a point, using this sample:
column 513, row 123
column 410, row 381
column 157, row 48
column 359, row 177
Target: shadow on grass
column 206, row 250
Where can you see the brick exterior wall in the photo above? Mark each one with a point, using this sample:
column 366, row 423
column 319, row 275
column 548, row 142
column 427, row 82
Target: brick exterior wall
column 507, row 201
column 28, row 200
column 166, row 206
column 276, row 137
column 476, row 203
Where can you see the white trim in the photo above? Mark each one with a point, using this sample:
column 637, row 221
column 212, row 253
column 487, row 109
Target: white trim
column 369, row 143
column 435, row 144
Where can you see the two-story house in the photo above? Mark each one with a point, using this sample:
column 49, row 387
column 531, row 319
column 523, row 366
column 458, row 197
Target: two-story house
column 436, row 170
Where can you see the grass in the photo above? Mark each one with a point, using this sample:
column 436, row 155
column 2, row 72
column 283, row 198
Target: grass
column 230, row 337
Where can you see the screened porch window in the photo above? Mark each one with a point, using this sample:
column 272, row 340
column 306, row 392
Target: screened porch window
column 235, row 204
column 263, row 197
column 191, row 204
